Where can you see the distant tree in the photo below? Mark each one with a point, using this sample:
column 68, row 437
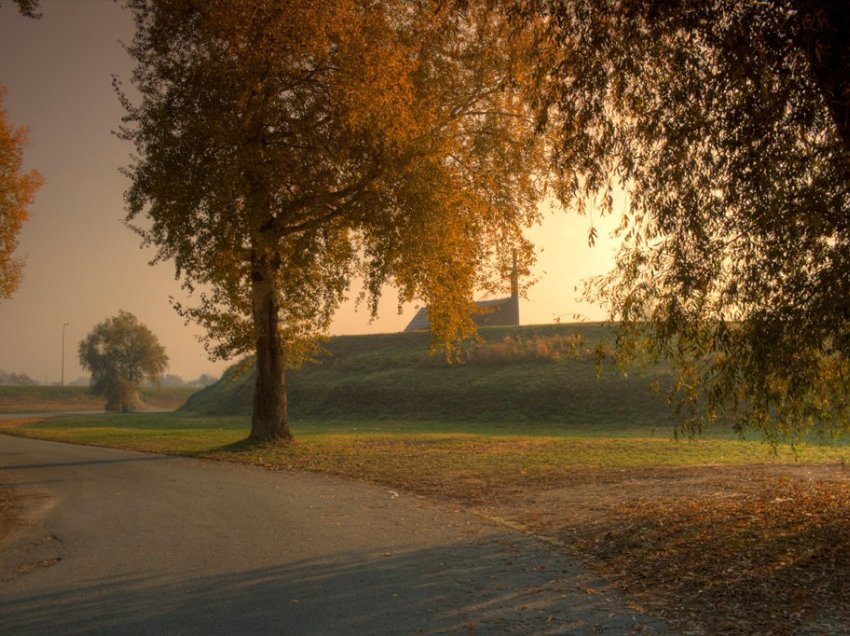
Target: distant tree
column 728, row 124
column 285, row 147
column 172, row 380
column 121, row 353
column 15, row 379
column 203, row 381
column 17, row 191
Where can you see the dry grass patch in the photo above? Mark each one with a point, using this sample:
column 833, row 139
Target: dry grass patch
column 772, row 561
column 762, row 549
column 533, row 347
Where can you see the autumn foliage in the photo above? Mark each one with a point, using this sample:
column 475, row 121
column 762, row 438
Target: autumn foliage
column 17, row 192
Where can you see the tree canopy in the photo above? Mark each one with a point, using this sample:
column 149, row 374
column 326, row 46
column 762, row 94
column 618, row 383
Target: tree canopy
column 17, row 192
column 121, row 353
column 726, row 123
column 284, row 148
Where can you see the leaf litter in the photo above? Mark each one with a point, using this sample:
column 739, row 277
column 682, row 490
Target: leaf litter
column 771, row 556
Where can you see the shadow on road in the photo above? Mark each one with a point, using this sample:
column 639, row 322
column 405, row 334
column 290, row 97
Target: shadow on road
column 87, row 462
column 466, row 587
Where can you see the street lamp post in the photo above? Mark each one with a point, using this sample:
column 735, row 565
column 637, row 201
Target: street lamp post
column 62, row 381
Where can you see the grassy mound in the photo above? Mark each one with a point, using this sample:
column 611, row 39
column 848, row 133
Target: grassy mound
column 530, row 374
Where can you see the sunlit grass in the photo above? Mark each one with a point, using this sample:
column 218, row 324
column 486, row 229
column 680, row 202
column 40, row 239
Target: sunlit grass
column 470, row 461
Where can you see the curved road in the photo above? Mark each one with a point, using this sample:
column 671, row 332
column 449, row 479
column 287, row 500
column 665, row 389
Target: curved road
column 115, row 542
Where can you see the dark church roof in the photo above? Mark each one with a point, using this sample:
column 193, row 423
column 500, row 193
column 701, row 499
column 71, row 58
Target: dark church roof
column 500, row 312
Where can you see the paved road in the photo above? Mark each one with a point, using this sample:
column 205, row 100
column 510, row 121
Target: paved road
column 114, row 542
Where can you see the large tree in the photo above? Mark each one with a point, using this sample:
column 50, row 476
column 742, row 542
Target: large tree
column 121, row 353
column 286, row 147
column 17, row 191
column 726, row 123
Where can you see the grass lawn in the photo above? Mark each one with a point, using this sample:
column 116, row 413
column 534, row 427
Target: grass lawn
column 474, row 463
column 368, row 449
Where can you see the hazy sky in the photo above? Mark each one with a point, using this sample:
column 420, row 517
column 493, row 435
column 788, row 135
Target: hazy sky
column 83, row 265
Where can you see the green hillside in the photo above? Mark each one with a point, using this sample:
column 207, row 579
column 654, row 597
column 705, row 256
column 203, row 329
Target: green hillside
column 543, row 374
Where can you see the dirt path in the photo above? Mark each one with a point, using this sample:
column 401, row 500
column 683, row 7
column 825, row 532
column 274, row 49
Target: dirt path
column 118, row 542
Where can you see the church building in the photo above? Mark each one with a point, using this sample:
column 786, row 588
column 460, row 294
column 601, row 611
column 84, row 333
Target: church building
column 500, row 312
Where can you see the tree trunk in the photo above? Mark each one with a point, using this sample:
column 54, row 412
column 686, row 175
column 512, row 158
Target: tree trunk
column 270, row 420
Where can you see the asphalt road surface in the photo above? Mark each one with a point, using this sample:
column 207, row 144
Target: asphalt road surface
column 115, row 542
